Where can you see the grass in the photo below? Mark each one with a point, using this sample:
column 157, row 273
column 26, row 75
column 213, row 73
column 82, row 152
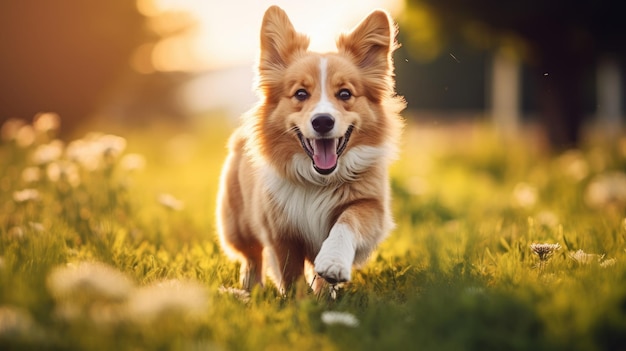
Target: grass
column 120, row 255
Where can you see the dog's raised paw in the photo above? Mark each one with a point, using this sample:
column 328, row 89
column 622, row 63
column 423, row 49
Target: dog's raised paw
column 332, row 270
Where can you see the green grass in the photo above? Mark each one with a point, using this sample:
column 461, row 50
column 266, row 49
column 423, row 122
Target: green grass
column 100, row 264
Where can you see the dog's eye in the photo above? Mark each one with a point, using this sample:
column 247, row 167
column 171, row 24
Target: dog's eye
column 301, row 95
column 344, row 94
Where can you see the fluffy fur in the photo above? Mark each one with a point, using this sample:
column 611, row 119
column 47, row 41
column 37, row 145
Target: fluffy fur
column 305, row 188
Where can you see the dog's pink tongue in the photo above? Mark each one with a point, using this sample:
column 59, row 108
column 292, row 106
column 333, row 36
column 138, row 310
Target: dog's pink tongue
column 325, row 153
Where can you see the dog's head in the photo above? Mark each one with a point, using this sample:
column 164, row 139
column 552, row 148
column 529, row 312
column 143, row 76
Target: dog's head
column 318, row 107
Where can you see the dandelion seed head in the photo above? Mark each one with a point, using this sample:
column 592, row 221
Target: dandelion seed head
column 544, row 250
column 609, row 262
column 339, row 318
column 584, row 258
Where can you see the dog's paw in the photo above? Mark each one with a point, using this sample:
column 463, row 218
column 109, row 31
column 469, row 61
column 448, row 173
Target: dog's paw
column 332, row 269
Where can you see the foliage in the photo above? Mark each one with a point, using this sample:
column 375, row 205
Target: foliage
column 116, row 250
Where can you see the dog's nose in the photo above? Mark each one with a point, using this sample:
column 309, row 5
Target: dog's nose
column 323, row 123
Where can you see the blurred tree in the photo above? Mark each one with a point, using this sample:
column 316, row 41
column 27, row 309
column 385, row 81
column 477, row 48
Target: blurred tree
column 561, row 41
column 64, row 56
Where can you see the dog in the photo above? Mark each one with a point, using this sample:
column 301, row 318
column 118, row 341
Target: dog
column 305, row 189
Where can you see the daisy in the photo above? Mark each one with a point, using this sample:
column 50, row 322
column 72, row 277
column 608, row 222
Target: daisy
column 341, row 318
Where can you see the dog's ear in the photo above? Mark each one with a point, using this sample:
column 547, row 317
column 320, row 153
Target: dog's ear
column 279, row 41
column 370, row 44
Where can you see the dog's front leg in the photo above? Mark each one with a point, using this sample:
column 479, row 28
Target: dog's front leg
column 352, row 238
column 334, row 261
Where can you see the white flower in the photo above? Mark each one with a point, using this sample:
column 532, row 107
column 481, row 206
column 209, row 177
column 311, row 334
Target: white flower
column 25, row 136
column 606, row 189
column 64, row 171
column 573, row 164
column 171, row 202
column 26, row 195
column 31, row 174
column 95, row 150
column 47, row 153
column 585, row 258
column 93, row 279
column 609, row 262
column 544, row 251
column 10, row 128
column 46, row 122
column 525, row 195
column 14, row 321
column 342, row 318
column 240, row 294
column 181, row 298
column 133, row 162
column 111, row 146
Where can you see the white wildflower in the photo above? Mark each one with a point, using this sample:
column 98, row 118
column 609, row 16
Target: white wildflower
column 181, row 298
column 16, row 232
column 47, row 153
column 25, row 136
column 525, row 195
column 46, row 122
column 341, row 318
column 133, row 162
column 15, row 321
column 606, row 189
column 10, row 128
column 547, row 218
column 544, row 251
column 95, row 150
column 239, row 294
column 609, row 262
column 585, row 258
column 31, row 174
column 111, row 146
column 573, row 164
column 171, row 202
column 63, row 171
column 93, row 279
column 26, row 195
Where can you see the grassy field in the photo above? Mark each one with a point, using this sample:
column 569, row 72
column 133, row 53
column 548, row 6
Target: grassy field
column 107, row 243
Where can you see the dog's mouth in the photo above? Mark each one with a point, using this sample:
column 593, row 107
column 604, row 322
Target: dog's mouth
column 324, row 152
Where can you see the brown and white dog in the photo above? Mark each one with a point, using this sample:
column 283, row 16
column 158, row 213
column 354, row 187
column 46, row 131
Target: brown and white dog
column 305, row 187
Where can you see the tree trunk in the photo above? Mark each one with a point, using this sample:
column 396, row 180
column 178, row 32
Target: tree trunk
column 561, row 107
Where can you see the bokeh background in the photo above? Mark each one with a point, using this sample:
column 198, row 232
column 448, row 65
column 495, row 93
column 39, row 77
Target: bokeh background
column 552, row 67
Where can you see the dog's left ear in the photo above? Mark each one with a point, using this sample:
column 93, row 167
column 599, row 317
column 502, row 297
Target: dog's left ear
column 371, row 43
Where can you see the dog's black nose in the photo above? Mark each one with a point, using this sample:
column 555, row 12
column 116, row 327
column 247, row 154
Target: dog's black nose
column 323, row 123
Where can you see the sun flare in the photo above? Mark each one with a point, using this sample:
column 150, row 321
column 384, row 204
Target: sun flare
column 226, row 35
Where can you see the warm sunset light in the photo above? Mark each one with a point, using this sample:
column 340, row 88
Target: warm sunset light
column 201, row 35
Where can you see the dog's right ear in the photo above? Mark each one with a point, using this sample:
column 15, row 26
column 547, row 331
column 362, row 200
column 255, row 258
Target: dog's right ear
column 279, row 44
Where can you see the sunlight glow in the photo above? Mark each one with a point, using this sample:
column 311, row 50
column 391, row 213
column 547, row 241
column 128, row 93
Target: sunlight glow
column 200, row 35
